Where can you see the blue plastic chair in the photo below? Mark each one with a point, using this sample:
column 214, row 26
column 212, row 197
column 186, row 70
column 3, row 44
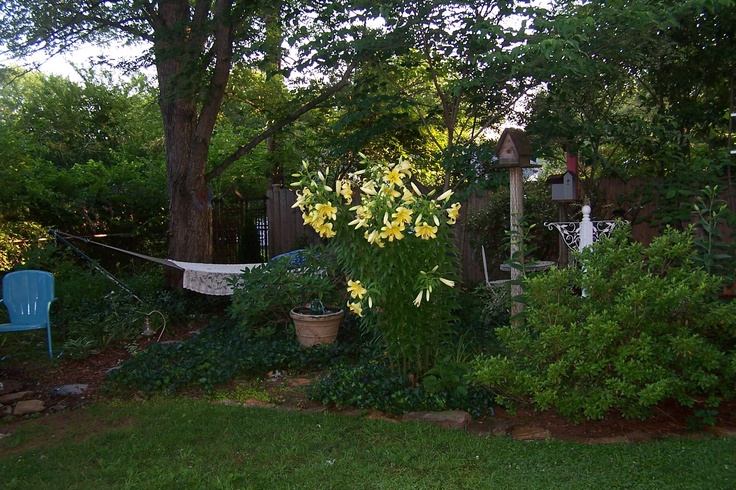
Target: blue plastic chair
column 28, row 295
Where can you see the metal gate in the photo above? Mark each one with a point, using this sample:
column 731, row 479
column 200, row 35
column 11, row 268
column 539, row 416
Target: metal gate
column 240, row 232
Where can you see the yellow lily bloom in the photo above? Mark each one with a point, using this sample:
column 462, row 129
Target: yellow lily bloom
column 356, row 308
column 369, row 188
column 425, row 231
column 447, row 282
column 324, row 230
column 418, row 299
column 356, row 289
column 326, row 210
column 402, row 214
column 391, row 230
column 394, row 177
column 452, row 213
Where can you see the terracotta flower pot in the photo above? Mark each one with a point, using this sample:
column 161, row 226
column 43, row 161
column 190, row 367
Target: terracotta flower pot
column 312, row 329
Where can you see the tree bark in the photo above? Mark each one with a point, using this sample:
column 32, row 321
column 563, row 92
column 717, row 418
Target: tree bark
column 188, row 127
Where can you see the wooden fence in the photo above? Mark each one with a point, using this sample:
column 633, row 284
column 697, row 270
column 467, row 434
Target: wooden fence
column 282, row 229
column 287, row 231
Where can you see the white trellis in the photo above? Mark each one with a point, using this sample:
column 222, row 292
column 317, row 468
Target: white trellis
column 579, row 234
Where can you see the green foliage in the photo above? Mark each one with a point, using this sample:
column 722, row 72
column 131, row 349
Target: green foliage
column 217, row 355
column 650, row 329
column 396, row 248
column 489, row 226
column 264, row 296
column 92, row 312
column 713, row 252
column 372, row 385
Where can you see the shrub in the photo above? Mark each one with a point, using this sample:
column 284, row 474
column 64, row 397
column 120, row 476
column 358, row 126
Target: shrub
column 372, row 385
column 263, row 296
column 217, row 355
column 93, row 312
column 396, row 246
column 650, row 329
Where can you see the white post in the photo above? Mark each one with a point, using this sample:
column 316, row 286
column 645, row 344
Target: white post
column 586, row 229
column 586, row 234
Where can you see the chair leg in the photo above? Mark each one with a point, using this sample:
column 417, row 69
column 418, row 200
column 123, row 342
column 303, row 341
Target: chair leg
column 48, row 336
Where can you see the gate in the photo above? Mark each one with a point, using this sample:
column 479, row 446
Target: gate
column 240, row 232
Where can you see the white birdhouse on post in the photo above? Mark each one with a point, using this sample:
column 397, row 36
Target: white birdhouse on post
column 514, row 152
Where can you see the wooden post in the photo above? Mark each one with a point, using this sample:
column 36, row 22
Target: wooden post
column 516, row 207
column 514, row 152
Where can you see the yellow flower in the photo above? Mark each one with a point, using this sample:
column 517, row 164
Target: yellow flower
column 394, row 177
column 452, row 213
column 345, row 190
column 313, row 219
column 402, row 215
column 407, row 196
column 326, row 210
column 418, row 299
column 374, row 237
column 447, row 282
column 369, row 188
column 356, row 289
column 404, row 167
column 391, row 230
column 356, row 308
column 301, row 198
column 445, row 195
column 324, row 229
column 362, row 215
column 425, row 231
column 390, row 191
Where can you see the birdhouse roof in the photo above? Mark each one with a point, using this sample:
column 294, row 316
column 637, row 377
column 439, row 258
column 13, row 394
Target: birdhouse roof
column 559, row 178
column 514, row 148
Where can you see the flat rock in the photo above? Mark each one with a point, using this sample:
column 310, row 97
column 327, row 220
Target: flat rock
column 252, row 402
column 14, row 397
column 27, row 407
column 638, row 436
column 722, row 431
column 70, row 390
column 449, row 419
column 530, row 434
column 607, row 440
column 298, row 382
column 10, row 386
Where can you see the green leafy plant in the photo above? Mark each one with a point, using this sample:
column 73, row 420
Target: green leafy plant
column 263, row 296
column 712, row 213
column 651, row 329
column 371, row 384
column 217, row 355
column 395, row 246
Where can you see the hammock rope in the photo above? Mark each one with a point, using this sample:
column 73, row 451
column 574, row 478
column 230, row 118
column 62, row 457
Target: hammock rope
column 211, row 279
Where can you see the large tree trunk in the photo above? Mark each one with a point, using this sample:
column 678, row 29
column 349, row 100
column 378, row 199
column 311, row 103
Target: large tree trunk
column 190, row 99
column 190, row 215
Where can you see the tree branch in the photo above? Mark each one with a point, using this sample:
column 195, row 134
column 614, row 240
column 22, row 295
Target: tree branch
column 279, row 125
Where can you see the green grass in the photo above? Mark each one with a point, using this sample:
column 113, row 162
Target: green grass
column 183, row 444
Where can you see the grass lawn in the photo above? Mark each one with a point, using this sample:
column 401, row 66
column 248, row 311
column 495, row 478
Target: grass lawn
column 183, row 444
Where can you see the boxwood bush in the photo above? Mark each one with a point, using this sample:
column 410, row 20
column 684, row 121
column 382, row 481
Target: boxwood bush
column 649, row 329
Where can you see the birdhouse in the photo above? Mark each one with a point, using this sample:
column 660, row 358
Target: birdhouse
column 514, row 149
column 564, row 187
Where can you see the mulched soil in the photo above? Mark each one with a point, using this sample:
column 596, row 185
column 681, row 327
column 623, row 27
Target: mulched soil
column 667, row 421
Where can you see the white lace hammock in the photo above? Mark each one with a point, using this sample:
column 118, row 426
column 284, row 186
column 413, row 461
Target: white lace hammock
column 210, row 279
